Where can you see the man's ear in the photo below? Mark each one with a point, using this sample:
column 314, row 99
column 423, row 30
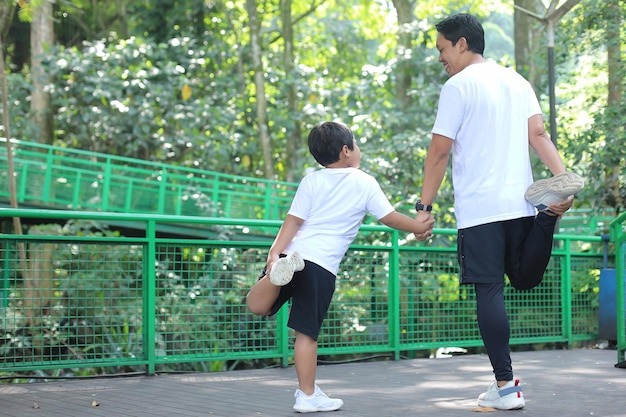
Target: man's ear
column 462, row 42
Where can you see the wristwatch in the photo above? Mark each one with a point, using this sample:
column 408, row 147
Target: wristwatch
column 423, row 207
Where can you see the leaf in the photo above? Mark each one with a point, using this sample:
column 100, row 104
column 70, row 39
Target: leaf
column 483, row 409
column 186, row 92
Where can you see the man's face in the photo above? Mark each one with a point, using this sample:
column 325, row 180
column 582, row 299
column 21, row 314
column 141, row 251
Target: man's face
column 450, row 55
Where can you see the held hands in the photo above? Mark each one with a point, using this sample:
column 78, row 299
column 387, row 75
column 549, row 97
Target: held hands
column 427, row 218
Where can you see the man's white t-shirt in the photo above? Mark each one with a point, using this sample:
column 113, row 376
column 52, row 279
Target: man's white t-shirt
column 485, row 109
column 333, row 203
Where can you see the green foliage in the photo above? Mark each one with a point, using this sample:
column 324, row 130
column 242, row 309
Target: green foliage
column 180, row 91
column 591, row 130
column 145, row 100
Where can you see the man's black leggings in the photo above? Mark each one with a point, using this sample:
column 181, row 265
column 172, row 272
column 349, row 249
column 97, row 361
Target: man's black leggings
column 526, row 261
column 525, row 264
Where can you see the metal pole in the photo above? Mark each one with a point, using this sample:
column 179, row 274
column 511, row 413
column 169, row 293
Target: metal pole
column 551, row 81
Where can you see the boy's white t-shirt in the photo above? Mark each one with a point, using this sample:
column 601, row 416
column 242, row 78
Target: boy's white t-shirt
column 333, row 203
column 485, row 109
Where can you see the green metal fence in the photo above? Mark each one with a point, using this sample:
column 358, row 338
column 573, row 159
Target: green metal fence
column 618, row 237
column 53, row 177
column 81, row 298
column 60, row 178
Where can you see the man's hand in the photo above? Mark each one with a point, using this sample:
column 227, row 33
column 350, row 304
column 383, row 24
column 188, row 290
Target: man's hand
column 562, row 206
column 425, row 217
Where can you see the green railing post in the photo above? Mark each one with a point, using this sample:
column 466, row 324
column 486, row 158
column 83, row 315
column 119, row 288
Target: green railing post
column 621, row 314
column 128, row 198
column 268, row 202
column 149, row 301
column 5, row 274
column 566, row 291
column 106, row 186
column 22, row 193
column 618, row 237
column 77, row 188
column 162, row 191
column 394, row 295
column 283, row 335
column 47, row 186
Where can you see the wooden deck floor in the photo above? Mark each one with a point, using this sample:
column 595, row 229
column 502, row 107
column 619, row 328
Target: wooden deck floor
column 573, row 383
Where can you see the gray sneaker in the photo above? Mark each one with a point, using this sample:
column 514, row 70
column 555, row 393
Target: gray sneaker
column 542, row 193
column 318, row 401
column 284, row 268
column 508, row 397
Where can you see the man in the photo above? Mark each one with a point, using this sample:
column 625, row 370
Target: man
column 487, row 116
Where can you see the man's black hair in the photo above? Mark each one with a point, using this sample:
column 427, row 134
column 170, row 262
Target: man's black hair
column 466, row 26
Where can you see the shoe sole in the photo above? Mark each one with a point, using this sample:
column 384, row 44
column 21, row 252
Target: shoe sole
column 542, row 193
column 322, row 409
column 284, row 268
column 515, row 405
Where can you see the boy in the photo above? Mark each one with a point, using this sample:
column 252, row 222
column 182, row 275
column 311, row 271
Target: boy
column 324, row 218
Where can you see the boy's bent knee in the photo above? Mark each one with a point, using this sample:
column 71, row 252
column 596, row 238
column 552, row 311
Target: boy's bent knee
column 257, row 308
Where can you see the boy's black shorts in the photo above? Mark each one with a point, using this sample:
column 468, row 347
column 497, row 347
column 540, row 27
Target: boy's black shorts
column 311, row 291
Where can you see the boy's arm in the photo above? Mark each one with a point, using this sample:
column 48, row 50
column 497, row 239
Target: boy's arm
column 421, row 229
column 287, row 231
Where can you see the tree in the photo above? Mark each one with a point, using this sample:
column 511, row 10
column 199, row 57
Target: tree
column 527, row 39
column 615, row 23
column 293, row 131
column 552, row 15
column 41, row 40
column 259, row 83
column 405, row 13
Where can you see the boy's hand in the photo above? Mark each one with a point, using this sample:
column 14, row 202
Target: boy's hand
column 270, row 262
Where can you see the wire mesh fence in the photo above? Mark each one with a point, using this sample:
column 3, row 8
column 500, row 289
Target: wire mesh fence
column 81, row 298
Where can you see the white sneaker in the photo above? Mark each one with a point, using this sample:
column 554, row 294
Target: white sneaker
column 318, row 401
column 542, row 193
column 284, row 268
column 508, row 397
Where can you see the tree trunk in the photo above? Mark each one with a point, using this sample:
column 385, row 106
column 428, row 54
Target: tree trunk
column 6, row 14
column 614, row 18
column 405, row 16
column 528, row 39
column 292, row 136
column 259, row 82
column 6, row 17
column 42, row 38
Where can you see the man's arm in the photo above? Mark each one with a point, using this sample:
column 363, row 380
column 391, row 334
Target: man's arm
column 540, row 141
column 435, row 167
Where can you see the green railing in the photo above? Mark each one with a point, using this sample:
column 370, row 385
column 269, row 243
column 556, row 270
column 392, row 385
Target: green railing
column 87, row 299
column 52, row 177
column 69, row 179
column 618, row 237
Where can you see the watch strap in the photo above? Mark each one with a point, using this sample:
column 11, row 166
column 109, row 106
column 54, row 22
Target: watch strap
column 423, row 207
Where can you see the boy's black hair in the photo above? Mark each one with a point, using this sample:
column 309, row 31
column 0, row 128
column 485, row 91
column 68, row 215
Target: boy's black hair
column 327, row 139
column 466, row 26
